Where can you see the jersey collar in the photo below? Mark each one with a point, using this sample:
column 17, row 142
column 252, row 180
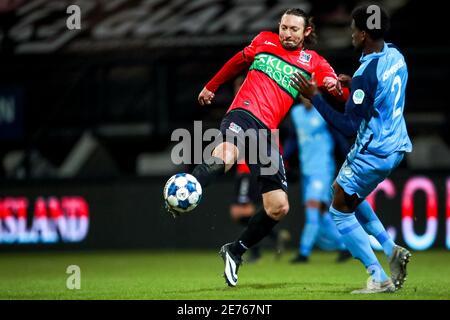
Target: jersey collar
column 374, row 55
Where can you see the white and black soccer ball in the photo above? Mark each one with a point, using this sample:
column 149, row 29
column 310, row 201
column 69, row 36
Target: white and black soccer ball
column 182, row 192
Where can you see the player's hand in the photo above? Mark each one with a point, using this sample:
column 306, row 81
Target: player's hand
column 345, row 80
column 307, row 88
column 332, row 85
column 205, row 97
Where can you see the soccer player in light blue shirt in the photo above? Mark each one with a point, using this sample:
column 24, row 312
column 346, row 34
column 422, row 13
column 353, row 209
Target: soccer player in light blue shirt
column 374, row 112
column 316, row 154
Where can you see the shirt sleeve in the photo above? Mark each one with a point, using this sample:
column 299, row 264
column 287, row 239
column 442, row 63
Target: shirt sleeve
column 231, row 69
column 358, row 107
column 323, row 70
column 249, row 51
column 346, row 123
column 237, row 64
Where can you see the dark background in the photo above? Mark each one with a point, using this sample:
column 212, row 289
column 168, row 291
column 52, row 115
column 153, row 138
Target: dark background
column 127, row 213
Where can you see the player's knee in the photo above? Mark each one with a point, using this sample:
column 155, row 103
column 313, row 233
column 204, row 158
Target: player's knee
column 277, row 210
column 336, row 189
column 343, row 201
column 227, row 152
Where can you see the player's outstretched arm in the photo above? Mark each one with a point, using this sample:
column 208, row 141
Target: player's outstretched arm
column 332, row 85
column 327, row 79
column 347, row 123
column 230, row 70
column 345, row 80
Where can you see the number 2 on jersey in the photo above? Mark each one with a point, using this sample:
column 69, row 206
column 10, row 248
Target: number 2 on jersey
column 397, row 109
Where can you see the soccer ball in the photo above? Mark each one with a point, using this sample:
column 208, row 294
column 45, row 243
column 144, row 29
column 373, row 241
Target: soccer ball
column 182, row 192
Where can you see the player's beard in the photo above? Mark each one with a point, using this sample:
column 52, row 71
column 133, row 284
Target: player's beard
column 292, row 47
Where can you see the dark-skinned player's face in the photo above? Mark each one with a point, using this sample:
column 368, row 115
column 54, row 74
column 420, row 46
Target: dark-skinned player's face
column 292, row 31
column 358, row 37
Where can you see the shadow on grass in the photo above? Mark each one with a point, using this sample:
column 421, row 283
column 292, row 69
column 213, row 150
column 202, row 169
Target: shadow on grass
column 300, row 286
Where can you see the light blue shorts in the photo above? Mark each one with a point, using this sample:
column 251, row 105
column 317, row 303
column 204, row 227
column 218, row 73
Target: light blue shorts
column 317, row 188
column 362, row 172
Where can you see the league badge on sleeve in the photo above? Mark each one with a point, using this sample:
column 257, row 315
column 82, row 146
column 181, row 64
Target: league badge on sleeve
column 358, row 96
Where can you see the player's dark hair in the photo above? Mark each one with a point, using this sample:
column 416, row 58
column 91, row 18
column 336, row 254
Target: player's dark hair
column 312, row 38
column 361, row 15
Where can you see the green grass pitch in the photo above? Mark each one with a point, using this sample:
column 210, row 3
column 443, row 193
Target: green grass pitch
column 198, row 275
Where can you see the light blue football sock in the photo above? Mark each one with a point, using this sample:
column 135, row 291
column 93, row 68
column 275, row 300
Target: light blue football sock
column 310, row 231
column 373, row 226
column 329, row 228
column 357, row 242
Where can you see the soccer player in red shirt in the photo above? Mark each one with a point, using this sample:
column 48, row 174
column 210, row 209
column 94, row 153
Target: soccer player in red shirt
column 261, row 103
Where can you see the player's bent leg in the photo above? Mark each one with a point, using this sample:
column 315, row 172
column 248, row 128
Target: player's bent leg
column 259, row 226
column 228, row 152
column 373, row 226
column 357, row 241
column 343, row 201
column 361, row 175
column 329, row 230
column 398, row 256
column 222, row 159
column 241, row 213
column 276, row 204
column 223, row 156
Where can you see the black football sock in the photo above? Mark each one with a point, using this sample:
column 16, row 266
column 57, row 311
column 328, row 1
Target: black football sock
column 207, row 173
column 258, row 227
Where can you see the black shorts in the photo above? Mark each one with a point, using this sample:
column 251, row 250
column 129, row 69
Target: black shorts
column 256, row 148
column 246, row 189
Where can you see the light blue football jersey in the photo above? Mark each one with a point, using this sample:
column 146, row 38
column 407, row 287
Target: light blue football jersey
column 378, row 96
column 316, row 145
